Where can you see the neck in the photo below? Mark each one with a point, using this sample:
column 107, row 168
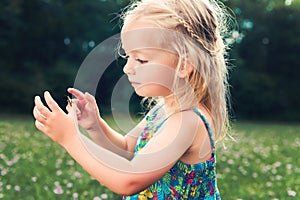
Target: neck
column 169, row 100
column 171, row 104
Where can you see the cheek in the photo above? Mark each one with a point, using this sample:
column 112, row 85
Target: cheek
column 156, row 75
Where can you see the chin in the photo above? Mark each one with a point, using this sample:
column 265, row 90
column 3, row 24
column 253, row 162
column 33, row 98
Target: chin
column 152, row 90
column 148, row 93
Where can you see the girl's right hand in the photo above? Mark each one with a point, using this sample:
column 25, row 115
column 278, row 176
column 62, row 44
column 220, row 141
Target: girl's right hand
column 87, row 110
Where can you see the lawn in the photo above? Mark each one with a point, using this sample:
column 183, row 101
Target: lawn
column 263, row 163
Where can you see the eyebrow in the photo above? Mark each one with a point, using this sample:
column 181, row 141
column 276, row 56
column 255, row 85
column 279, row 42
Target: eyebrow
column 137, row 50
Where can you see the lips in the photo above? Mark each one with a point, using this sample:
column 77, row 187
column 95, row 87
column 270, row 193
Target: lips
column 134, row 84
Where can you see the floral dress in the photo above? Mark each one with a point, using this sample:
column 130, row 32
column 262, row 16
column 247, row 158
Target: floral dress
column 182, row 181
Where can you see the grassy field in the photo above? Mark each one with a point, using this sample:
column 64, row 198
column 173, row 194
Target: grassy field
column 264, row 164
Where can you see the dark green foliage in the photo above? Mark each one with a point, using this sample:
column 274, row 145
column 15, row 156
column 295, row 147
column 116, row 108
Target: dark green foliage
column 43, row 43
column 265, row 83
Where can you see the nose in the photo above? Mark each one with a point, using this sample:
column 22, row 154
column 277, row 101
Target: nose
column 129, row 68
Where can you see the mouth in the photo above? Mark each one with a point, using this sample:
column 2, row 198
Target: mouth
column 134, row 84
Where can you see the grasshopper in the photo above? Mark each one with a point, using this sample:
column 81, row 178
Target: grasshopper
column 69, row 100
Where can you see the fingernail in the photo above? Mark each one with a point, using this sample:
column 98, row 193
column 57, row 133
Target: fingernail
column 47, row 93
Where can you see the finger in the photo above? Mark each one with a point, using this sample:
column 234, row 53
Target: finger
column 78, row 94
column 92, row 101
column 41, row 108
column 35, row 112
column 68, row 107
column 38, row 116
column 90, row 98
column 75, row 101
column 39, row 126
column 51, row 102
column 72, row 112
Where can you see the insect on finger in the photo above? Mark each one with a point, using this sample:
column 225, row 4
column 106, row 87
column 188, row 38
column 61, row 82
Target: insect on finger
column 69, row 100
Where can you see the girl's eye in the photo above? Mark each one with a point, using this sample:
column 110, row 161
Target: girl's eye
column 141, row 61
column 126, row 57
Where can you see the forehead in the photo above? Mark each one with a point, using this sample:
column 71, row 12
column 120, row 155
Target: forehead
column 142, row 35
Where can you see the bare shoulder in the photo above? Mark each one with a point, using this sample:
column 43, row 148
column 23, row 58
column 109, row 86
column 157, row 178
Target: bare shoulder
column 189, row 119
column 185, row 124
column 200, row 149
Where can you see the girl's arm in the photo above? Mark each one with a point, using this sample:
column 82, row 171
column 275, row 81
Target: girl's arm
column 89, row 118
column 117, row 173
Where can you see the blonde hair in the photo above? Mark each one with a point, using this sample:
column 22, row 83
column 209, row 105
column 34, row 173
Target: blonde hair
column 204, row 24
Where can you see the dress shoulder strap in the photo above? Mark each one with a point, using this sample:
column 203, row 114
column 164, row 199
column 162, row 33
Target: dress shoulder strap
column 209, row 130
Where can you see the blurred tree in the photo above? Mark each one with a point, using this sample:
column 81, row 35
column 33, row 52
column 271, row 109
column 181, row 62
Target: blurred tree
column 264, row 82
column 43, row 42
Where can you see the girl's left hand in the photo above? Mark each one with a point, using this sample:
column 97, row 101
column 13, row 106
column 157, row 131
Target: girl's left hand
column 53, row 121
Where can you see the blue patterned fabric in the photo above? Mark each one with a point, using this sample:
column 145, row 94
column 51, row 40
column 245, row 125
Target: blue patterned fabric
column 182, row 181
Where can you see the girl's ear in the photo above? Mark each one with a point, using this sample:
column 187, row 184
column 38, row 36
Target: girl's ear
column 185, row 70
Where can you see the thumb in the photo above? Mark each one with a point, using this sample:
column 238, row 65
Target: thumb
column 71, row 109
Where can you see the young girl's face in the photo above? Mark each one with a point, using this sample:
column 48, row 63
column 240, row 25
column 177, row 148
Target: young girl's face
column 150, row 67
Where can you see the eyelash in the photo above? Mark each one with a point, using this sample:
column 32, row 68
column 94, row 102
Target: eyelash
column 141, row 61
column 136, row 59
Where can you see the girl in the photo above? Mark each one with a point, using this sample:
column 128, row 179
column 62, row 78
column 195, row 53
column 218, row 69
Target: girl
column 175, row 54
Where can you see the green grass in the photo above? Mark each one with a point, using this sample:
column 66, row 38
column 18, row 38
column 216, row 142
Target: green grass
column 264, row 163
